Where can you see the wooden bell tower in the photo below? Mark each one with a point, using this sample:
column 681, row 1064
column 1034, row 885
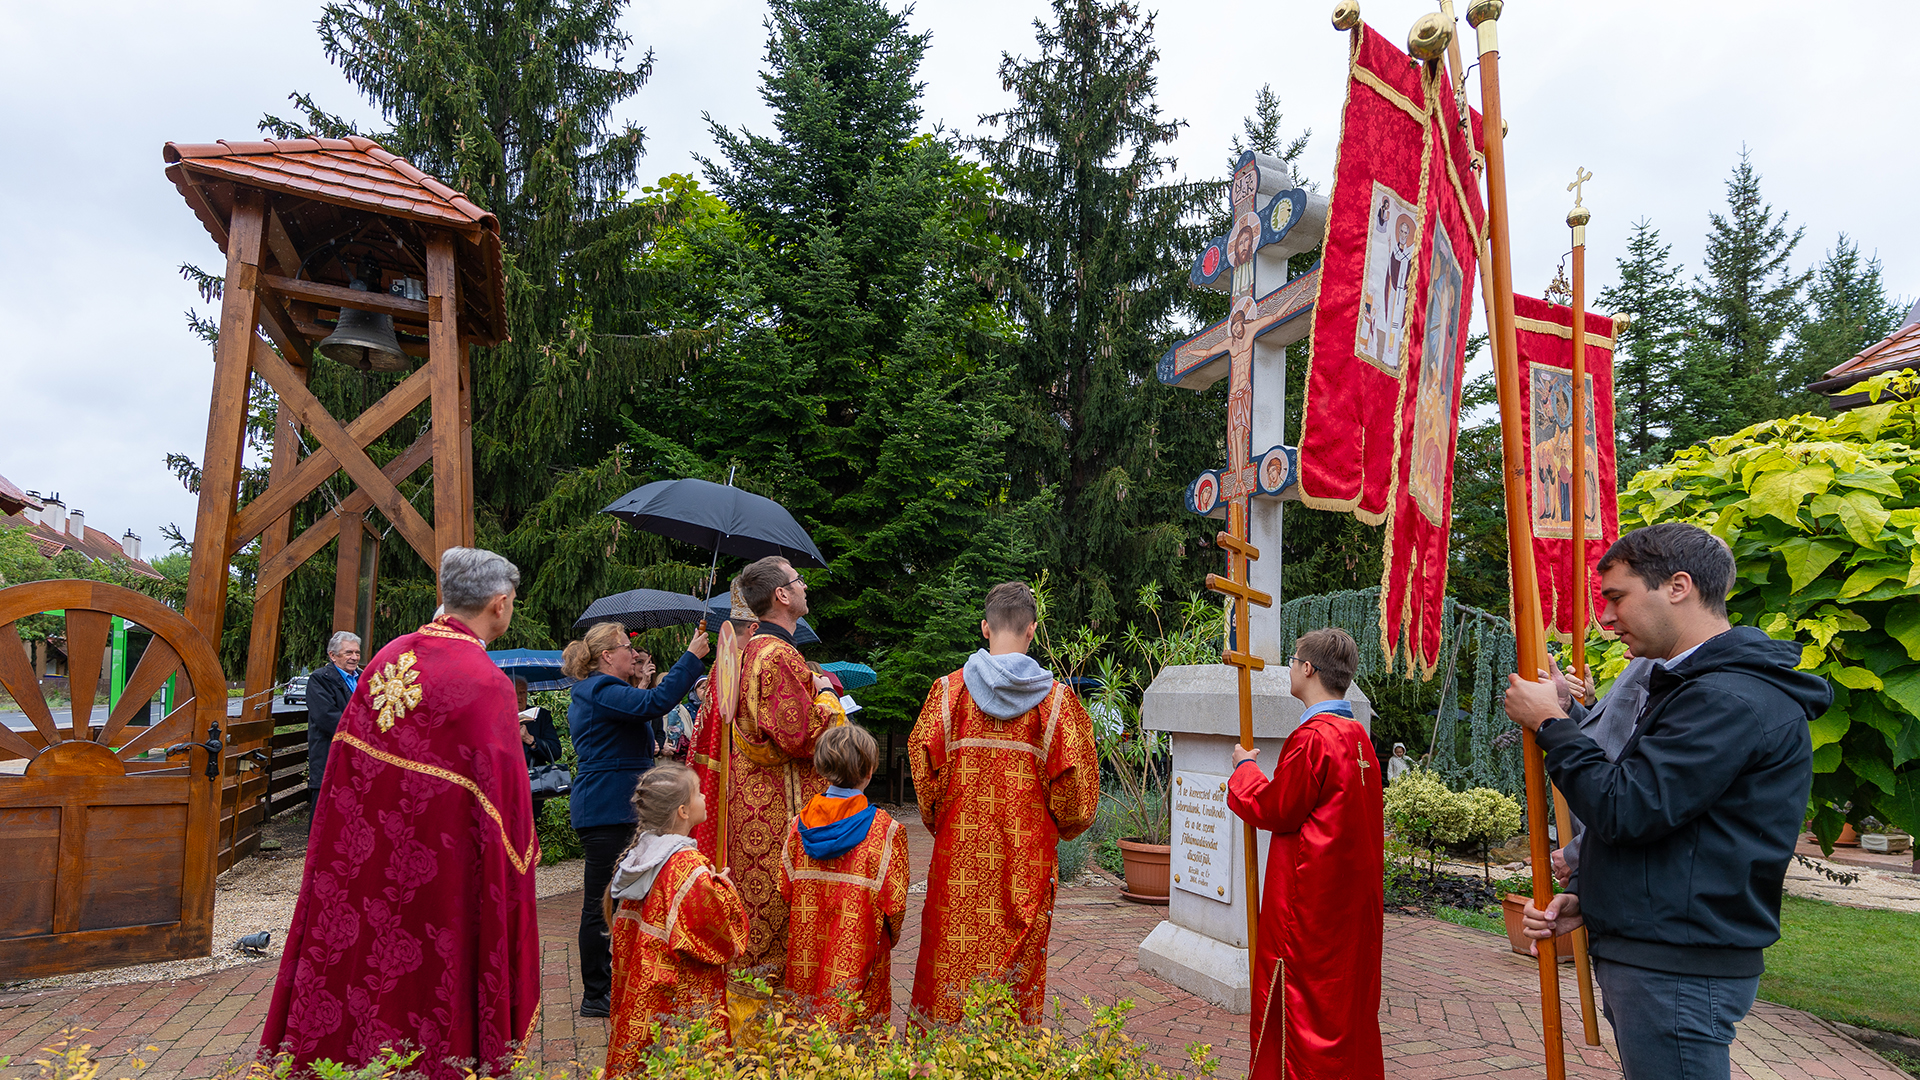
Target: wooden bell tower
column 320, row 235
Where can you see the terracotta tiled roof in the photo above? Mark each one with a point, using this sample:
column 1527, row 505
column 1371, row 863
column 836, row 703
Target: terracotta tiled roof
column 353, row 170
column 13, row 500
column 349, row 175
column 1899, row 350
column 96, row 545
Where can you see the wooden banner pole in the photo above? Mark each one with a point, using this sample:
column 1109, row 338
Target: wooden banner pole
column 1530, row 635
column 1577, row 219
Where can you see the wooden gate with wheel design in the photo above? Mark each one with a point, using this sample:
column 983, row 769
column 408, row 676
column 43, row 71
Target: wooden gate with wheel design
column 109, row 858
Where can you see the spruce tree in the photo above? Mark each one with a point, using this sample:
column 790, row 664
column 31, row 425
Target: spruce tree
column 1847, row 310
column 1747, row 303
column 1648, row 354
column 1102, row 245
column 854, row 379
column 511, row 102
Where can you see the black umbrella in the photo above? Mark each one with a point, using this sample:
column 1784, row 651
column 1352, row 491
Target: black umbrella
column 720, row 609
column 645, row 609
column 719, row 517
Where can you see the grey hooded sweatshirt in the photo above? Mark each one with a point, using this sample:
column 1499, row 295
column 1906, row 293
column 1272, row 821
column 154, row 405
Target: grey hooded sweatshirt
column 633, row 878
column 1007, row 685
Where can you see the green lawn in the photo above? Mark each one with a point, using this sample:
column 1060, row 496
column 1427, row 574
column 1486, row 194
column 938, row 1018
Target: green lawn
column 1841, row 963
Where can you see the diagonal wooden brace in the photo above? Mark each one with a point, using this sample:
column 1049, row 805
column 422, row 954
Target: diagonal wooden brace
column 275, row 568
column 280, row 499
column 333, row 436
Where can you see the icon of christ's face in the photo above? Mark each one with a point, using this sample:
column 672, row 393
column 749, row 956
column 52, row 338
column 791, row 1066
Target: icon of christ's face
column 1242, row 247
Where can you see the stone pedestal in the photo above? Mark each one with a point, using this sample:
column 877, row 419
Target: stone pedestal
column 1202, row 945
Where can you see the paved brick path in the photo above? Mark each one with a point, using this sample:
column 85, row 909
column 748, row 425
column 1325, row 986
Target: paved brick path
column 1456, row 1003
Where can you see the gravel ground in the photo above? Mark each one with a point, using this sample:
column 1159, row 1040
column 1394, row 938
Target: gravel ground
column 258, row 893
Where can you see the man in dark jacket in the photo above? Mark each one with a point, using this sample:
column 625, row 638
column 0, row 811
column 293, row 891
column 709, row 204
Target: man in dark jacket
column 1689, row 832
column 328, row 691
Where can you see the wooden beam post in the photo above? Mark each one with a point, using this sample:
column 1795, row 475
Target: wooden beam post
column 452, row 514
column 206, row 605
column 346, row 577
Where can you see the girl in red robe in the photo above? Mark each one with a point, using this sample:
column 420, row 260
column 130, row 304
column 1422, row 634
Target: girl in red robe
column 843, row 875
column 676, row 925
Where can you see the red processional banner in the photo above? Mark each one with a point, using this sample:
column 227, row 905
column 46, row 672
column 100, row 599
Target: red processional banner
column 1382, row 411
column 1546, row 415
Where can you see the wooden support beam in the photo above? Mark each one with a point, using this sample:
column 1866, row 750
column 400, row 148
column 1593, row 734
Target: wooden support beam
column 386, row 497
column 340, row 296
column 206, row 601
column 281, row 496
column 451, row 513
column 346, row 575
column 309, row 543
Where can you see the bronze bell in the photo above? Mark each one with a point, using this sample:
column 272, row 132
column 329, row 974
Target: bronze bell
column 364, row 339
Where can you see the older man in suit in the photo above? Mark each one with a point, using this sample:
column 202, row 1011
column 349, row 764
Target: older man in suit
column 328, row 691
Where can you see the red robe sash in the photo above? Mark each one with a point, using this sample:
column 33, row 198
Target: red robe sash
column 997, row 795
column 416, row 920
column 844, row 916
column 1316, row 988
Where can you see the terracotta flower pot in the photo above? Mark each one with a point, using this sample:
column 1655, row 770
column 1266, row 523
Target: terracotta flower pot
column 1149, row 871
column 1848, row 838
column 1511, row 905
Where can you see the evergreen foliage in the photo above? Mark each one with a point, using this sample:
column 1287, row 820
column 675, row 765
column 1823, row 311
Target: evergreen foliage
column 854, row 377
column 1649, row 350
column 1847, row 310
column 1746, row 304
column 1096, row 280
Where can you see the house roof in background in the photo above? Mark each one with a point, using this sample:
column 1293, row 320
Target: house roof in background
column 96, row 545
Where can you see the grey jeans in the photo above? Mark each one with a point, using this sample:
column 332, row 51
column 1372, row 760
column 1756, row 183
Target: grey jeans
column 1670, row 1026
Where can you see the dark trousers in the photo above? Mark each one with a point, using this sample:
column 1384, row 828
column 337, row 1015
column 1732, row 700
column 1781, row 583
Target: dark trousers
column 318, row 743
column 602, row 846
column 1670, row 1026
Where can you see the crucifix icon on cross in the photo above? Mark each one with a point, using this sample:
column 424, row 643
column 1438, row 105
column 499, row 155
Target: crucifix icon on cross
column 1271, row 220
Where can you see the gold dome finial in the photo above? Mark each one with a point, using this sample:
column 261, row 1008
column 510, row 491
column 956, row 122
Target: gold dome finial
column 1621, row 320
column 1346, row 14
column 1579, row 216
column 1429, row 37
column 1483, row 11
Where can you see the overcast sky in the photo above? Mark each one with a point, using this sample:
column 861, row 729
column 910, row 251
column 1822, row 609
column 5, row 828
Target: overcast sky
column 99, row 377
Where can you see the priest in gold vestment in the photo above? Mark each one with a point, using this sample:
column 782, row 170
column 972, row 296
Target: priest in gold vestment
column 1004, row 765
column 784, row 707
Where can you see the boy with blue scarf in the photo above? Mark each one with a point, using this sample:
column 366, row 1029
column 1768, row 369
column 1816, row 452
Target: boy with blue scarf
column 843, row 874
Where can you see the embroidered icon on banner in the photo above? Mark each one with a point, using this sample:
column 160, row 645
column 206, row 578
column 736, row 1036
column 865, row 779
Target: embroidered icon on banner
column 396, row 690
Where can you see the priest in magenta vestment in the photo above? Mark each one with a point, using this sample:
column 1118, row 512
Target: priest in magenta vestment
column 1316, row 986
column 415, row 922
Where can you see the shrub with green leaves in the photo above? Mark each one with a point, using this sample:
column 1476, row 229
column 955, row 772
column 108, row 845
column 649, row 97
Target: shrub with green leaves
column 1823, row 515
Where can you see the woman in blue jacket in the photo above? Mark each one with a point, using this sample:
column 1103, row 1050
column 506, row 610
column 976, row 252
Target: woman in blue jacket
column 611, row 722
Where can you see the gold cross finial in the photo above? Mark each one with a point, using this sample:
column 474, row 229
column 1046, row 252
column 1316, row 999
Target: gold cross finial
column 1580, row 176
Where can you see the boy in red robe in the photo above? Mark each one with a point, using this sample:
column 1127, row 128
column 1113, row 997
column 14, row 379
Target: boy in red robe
column 1004, row 765
column 1316, row 987
column 415, row 922
column 843, row 874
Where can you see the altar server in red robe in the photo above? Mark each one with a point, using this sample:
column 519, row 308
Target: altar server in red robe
column 415, row 921
column 1004, row 765
column 770, row 775
column 1316, row 987
column 676, row 925
column 843, row 874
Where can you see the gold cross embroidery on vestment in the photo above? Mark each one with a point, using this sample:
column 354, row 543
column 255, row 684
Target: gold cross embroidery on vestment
column 1360, row 755
column 396, row 690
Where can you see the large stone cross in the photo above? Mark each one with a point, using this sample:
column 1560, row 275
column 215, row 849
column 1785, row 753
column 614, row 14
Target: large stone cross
column 1272, row 220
